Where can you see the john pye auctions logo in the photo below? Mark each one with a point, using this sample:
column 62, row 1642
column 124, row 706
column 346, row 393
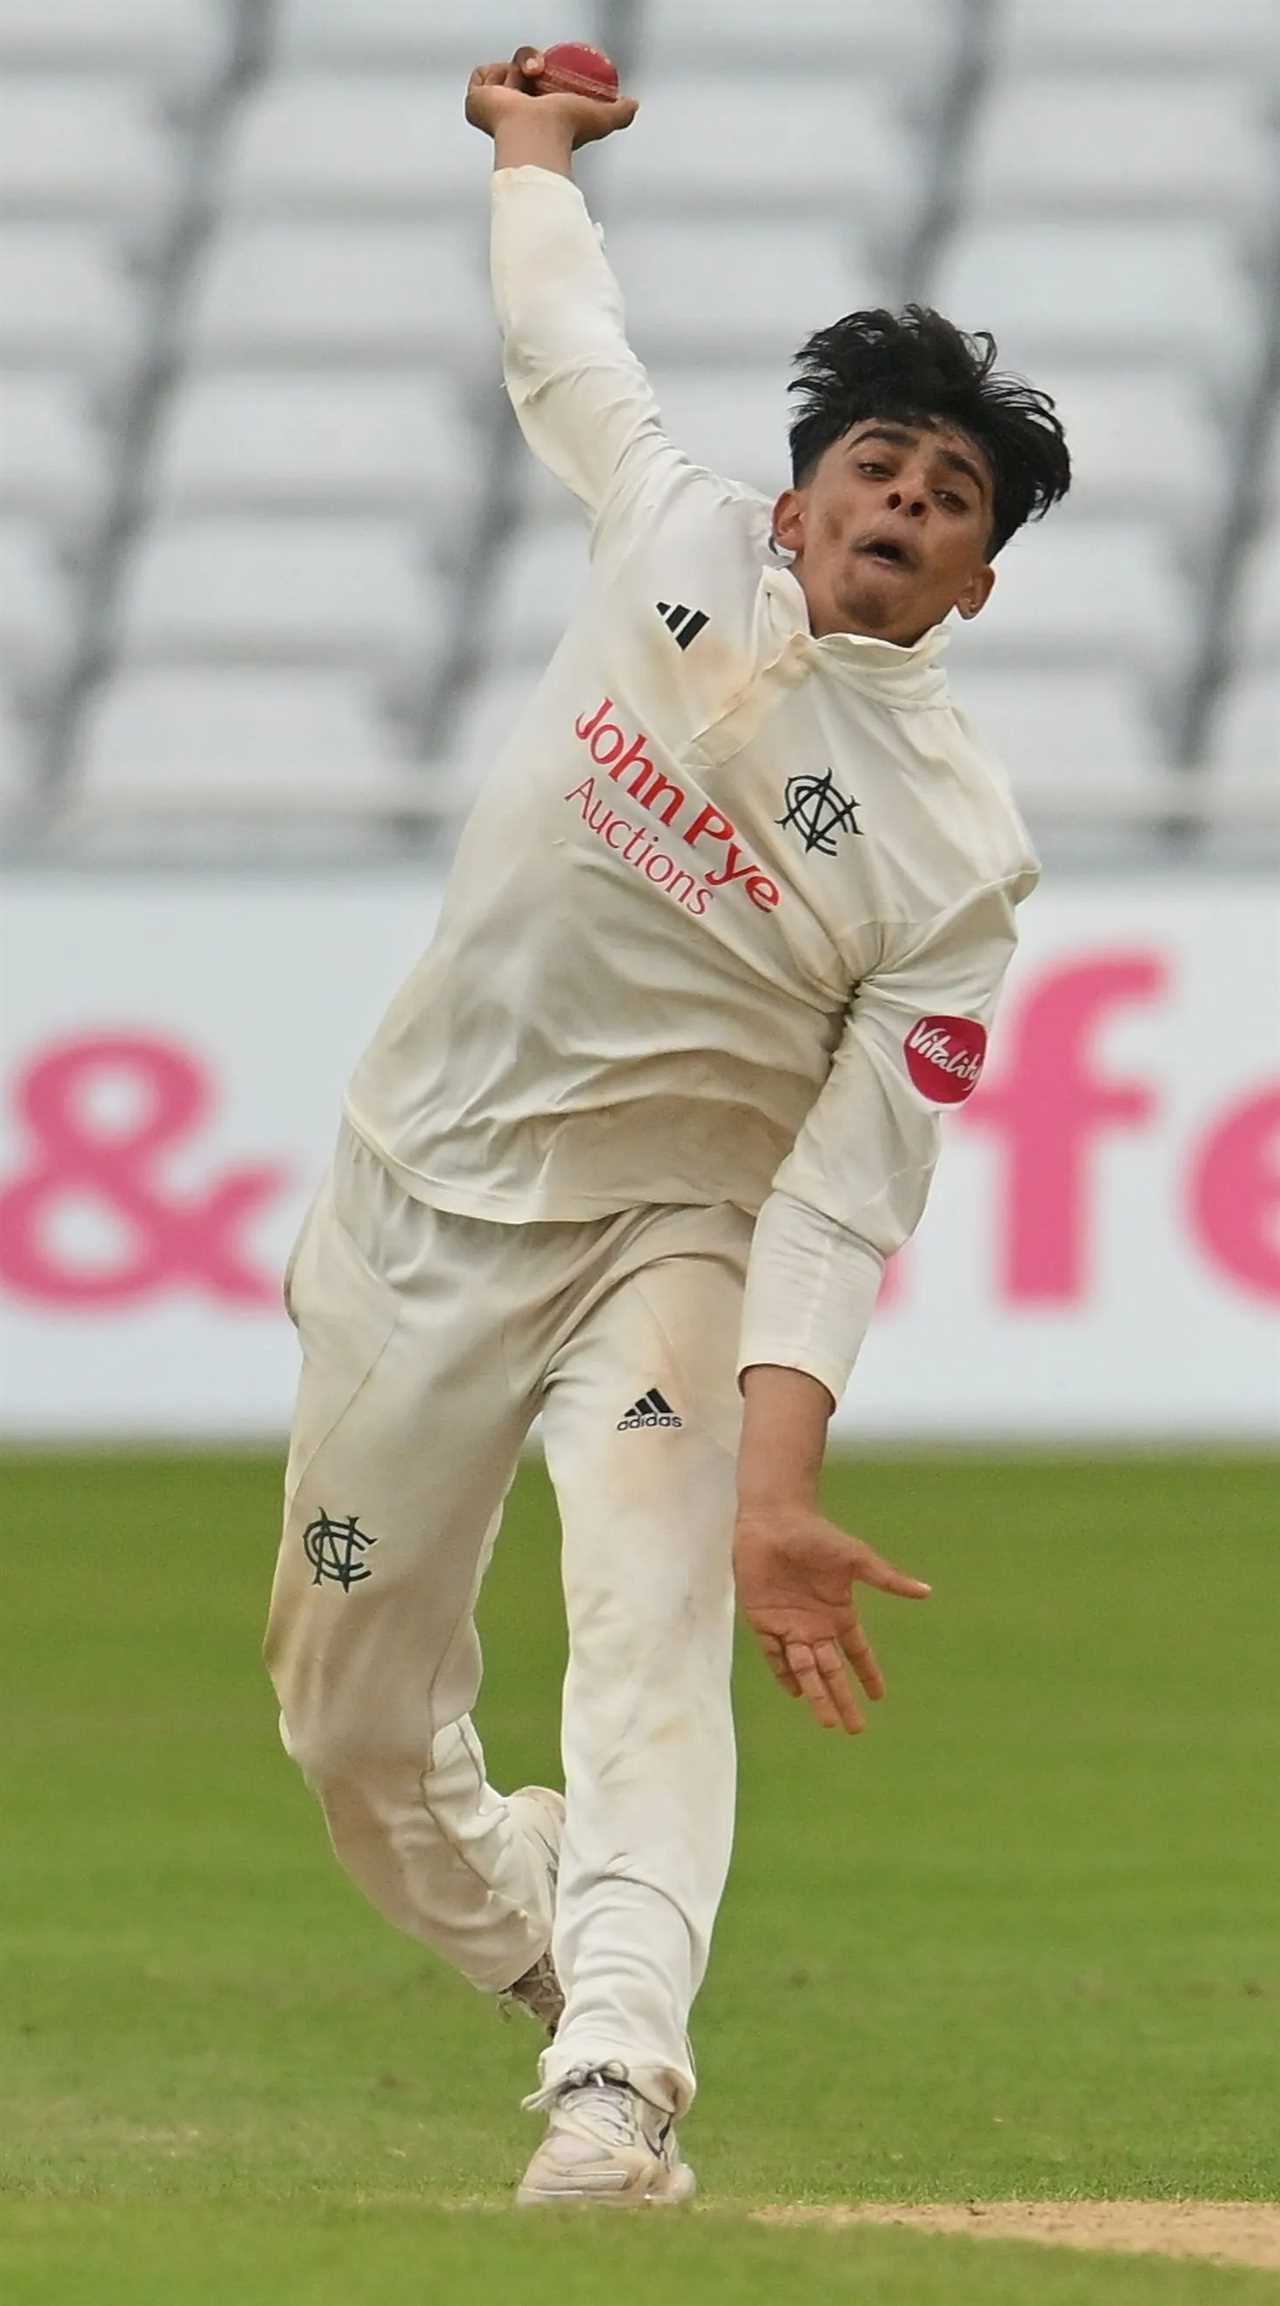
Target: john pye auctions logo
column 719, row 859
column 944, row 1057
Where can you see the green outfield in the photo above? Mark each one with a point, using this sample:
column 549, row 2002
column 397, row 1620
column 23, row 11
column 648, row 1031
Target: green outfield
column 1019, row 1941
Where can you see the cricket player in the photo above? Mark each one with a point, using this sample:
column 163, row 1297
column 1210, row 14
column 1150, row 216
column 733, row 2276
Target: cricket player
column 721, row 944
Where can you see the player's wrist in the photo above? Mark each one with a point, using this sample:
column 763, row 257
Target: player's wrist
column 531, row 139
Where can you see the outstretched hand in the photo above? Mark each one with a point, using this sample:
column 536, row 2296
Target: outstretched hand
column 795, row 1576
column 499, row 93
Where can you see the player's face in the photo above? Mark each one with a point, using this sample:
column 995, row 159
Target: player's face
column 892, row 532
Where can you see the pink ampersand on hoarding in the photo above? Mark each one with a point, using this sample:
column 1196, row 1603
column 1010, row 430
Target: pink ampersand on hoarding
column 171, row 1240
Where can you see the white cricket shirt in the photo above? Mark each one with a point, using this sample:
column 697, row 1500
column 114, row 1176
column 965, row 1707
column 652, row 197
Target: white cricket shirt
column 732, row 909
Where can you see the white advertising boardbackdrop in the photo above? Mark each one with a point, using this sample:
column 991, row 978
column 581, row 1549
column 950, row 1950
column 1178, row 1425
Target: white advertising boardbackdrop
column 1100, row 1257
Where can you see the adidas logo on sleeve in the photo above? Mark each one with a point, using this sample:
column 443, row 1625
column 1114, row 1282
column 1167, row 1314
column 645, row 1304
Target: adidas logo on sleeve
column 649, row 1411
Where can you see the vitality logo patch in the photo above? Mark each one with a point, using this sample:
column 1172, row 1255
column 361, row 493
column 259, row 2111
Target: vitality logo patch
column 649, row 1411
column 944, row 1057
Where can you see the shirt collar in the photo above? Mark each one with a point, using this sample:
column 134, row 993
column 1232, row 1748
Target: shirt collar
column 896, row 676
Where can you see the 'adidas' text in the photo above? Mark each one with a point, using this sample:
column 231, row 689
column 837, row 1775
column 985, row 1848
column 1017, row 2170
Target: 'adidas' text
column 650, row 1410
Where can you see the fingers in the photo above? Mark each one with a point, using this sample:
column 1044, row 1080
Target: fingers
column 526, row 64
column 863, row 1659
column 820, row 1674
column 776, row 1656
column 872, row 1569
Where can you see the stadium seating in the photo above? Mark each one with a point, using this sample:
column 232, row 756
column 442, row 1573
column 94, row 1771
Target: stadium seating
column 57, row 449
column 254, row 421
column 1115, row 292
column 84, row 146
column 913, row 38
column 1097, row 592
column 66, row 296
column 817, row 144
column 342, row 292
column 775, row 283
column 36, row 605
column 275, row 440
column 348, row 142
column 1245, row 740
column 1165, row 144
column 1258, row 619
column 1143, row 441
column 384, row 32
column 322, row 730
column 93, row 33
column 1158, row 33
column 1069, row 738
column 543, row 572
column 292, row 590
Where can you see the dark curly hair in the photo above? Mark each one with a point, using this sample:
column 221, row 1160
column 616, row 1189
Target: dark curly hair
column 916, row 368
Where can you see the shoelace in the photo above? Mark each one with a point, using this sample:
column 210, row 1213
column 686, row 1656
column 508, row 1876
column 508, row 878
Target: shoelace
column 603, row 2094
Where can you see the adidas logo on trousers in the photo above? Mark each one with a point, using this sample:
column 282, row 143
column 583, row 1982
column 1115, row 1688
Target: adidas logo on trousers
column 650, row 1410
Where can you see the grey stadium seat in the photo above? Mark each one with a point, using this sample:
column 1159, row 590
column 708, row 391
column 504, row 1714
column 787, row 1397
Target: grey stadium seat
column 88, row 146
column 37, row 603
column 1142, row 440
column 1124, row 291
column 56, row 453
column 84, row 33
column 723, row 290
column 1245, row 737
column 540, row 580
column 305, row 590
column 346, row 141
column 386, row 31
column 65, row 296
column 18, row 738
column 727, row 36
column 235, row 731
column 1165, row 143
column 320, row 439
column 1257, row 623
column 732, row 420
column 823, row 143
column 373, row 293
column 1161, row 32
column 1085, row 733
column 1090, row 591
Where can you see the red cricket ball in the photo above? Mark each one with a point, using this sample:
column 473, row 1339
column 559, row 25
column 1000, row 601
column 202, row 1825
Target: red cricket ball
column 576, row 69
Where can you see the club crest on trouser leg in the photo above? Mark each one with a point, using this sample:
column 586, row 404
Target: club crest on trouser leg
column 335, row 1550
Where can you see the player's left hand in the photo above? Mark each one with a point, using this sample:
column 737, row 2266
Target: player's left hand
column 795, row 1575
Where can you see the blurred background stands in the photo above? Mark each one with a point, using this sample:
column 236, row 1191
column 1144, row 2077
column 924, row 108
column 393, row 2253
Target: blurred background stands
column 276, row 570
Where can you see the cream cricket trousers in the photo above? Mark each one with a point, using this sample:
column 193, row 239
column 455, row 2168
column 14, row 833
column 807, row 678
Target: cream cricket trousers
column 430, row 1344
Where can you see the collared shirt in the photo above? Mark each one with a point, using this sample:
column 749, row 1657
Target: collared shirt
column 732, row 909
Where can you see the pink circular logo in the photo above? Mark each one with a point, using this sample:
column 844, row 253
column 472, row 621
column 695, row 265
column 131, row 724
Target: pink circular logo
column 944, row 1057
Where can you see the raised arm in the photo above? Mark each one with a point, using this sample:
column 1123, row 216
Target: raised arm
column 583, row 400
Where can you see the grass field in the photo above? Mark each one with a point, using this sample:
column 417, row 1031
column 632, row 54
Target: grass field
column 1021, row 1940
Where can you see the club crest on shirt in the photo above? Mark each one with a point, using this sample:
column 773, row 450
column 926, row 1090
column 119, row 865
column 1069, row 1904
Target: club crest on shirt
column 819, row 812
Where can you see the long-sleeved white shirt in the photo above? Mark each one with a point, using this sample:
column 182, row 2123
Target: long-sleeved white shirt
column 730, row 915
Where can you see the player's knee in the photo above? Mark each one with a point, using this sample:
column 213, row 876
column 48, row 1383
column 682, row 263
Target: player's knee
column 327, row 1747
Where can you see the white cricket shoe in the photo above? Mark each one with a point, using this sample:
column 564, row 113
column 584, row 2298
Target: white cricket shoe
column 539, row 1812
column 606, row 2144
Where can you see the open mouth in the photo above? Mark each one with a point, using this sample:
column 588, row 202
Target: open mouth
column 886, row 550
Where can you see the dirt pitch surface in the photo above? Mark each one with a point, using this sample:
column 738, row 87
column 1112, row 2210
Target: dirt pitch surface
column 1229, row 2233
